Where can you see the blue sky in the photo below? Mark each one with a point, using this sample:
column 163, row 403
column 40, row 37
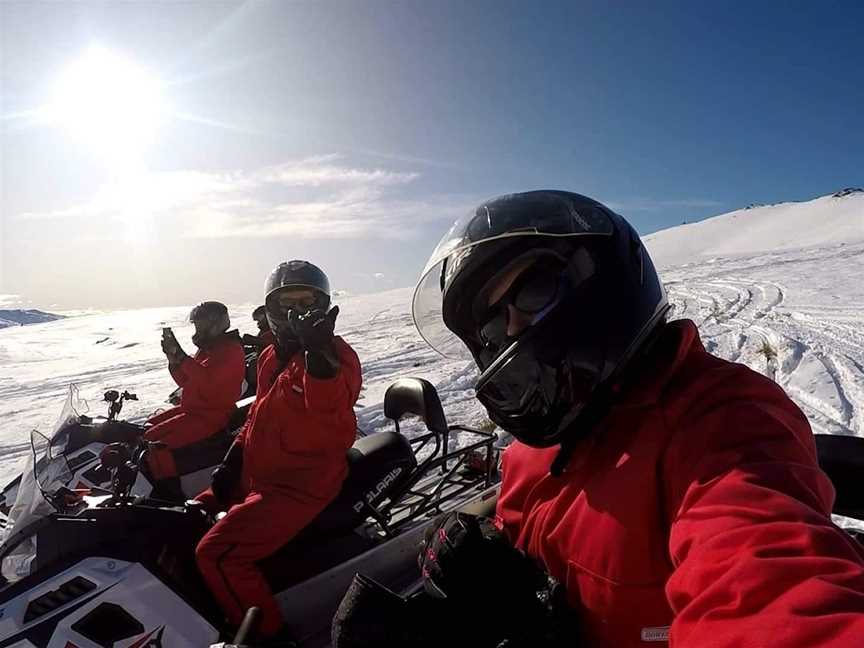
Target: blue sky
column 351, row 133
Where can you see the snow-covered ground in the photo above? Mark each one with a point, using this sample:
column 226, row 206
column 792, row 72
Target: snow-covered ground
column 779, row 288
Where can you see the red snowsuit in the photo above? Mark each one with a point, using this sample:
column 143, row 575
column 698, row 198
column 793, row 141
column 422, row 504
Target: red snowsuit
column 295, row 444
column 211, row 383
column 696, row 504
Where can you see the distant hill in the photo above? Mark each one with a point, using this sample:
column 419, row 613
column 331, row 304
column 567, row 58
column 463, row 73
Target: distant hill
column 21, row 317
column 829, row 220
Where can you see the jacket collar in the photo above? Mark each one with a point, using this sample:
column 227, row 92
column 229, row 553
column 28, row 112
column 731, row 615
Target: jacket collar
column 658, row 366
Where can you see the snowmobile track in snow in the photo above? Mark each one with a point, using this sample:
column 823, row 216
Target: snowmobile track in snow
column 814, row 349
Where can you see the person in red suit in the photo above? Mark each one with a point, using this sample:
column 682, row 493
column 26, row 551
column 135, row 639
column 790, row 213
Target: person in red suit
column 676, row 496
column 211, row 380
column 290, row 459
column 265, row 336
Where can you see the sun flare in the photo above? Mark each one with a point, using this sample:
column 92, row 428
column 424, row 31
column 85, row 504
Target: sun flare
column 108, row 103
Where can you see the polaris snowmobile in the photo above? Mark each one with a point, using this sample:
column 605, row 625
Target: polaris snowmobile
column 80, row 439
column 87, row 568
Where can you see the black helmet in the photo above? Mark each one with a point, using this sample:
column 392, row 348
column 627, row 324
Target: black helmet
column 211, row 320
column 575, row 270
column 293, row 275
column 259, row 316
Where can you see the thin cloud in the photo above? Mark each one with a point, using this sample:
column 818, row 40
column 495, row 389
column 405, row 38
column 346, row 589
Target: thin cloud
column 337, row 200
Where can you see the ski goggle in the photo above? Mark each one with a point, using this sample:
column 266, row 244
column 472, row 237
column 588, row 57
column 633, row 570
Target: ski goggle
column 533, row 293
column 282, row 302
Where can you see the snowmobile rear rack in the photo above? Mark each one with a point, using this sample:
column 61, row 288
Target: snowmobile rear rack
column 416, row 497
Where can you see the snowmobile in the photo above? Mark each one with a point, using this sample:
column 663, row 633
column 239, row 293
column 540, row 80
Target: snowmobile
column 91, row 567
column 83, row 438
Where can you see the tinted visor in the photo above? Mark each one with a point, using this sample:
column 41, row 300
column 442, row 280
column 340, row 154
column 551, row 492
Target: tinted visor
column 282, row 301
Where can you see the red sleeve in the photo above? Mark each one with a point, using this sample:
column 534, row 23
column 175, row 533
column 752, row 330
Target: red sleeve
column 338, row 393
column 757, row 560
column 179, row 377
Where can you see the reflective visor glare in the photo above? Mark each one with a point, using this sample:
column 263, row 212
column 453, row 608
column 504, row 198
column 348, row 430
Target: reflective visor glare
column 428, row 317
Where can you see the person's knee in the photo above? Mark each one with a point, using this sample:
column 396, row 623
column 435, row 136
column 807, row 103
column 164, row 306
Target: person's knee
column 207, row 499
column 207, row 552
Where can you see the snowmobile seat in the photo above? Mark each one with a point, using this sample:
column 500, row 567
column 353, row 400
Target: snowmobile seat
column 203, row 454
column 377, row 465
column 842, row 459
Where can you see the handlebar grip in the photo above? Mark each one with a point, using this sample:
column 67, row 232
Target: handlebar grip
column 250, row 622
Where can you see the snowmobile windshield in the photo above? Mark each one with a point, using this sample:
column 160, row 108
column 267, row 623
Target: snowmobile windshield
column 540, row 213
column 50, row 467
column 45, row 473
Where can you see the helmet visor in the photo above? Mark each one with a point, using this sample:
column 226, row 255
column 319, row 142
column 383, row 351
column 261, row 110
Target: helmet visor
column 540, row 213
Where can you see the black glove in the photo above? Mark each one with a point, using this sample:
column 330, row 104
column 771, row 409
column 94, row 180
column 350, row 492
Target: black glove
column 468, row 561
column 373, row 616
column 224, row 479
column 314, row 332
column 314, row 328
column 463, row 554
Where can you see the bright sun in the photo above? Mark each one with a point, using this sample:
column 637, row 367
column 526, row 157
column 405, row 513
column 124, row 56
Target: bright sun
column 109, row 104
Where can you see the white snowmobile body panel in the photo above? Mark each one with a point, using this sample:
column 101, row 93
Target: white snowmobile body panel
column 102, row 595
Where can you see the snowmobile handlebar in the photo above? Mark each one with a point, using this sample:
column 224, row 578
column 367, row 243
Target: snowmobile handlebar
column 124, row 463
column 115, row 401
column 247, row 627
column 244, row 632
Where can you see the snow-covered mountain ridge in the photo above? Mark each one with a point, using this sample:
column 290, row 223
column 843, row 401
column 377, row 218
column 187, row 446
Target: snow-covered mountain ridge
column 828, row 220
column 22, row 317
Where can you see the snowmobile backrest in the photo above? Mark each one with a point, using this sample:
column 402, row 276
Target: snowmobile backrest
column 378, row 464
column 842, row 459
column 415, row 396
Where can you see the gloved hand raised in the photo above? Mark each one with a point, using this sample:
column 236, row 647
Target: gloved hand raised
column 314, row 332
column 314, row 328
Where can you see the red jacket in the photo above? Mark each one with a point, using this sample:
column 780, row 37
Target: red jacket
column 696, row 504
column 300, row 428
column 213, row 379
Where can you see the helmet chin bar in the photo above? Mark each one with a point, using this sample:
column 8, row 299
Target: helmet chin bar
column 536, row 400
